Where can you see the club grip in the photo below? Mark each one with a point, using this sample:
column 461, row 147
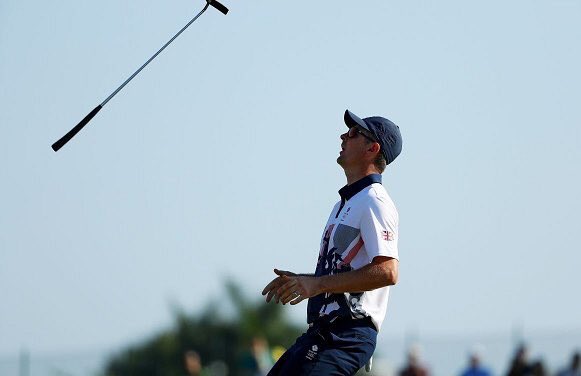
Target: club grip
column 67, row 137
column 218, row 6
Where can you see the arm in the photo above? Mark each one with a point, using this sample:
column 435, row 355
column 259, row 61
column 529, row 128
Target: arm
column 382, row 271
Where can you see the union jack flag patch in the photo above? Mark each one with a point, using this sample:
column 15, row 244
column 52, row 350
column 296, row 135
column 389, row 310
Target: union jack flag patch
column 386, row 235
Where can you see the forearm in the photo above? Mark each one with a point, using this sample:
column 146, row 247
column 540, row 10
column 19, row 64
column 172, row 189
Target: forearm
column 370, row 277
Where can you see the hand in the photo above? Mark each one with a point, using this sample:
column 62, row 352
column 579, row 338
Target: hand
column 271, row 288
column 290, row 287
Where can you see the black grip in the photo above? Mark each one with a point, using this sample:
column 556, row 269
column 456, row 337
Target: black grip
column 67, row 137
column 218, row 6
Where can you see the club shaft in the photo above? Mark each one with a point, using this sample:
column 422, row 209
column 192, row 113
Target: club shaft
column 153, row 57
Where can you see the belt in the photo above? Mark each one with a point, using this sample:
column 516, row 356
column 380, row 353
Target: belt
column 342, row 322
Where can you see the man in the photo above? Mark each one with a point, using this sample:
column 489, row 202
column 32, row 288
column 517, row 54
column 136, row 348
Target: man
column 193, row 363
column 357, row 263
column 414, row 366
column 520, row 365
column 475, row 367
column 575, row 367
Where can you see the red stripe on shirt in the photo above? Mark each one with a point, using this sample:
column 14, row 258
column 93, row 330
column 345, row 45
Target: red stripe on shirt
column 353, row 252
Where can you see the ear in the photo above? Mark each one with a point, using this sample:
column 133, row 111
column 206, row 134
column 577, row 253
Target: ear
column 374, row 148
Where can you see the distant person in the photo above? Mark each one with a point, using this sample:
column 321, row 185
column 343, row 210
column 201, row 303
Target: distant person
column 193, row 364
column 414, row 366
column 257, row 361
column 261, row 353
column 519, row 365
column 475, row 367
column 575, row 368
column 538, row 368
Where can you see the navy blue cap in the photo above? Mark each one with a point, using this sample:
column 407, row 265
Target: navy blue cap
column 383, row 130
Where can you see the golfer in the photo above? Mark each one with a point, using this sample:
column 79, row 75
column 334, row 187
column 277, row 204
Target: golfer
column 358, row 261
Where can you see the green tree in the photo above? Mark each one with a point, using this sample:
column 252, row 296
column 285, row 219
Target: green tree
column 213, row 336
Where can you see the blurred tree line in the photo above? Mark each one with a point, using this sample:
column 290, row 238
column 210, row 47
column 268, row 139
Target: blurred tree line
column 218, row 340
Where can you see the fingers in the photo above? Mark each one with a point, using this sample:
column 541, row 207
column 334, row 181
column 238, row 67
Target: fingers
column 270, row 295
column 283, row 272
column 298, row 299
column 274, row 284
column 293, row 296
column 271, row 289
column 270, row 286
column 286, row 291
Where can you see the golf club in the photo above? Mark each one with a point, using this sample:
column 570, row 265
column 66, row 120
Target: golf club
column 67, row 137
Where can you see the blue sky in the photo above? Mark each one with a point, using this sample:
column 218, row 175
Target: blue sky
column 218, row 160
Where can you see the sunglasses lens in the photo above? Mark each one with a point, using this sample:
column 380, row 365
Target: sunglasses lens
column 352, row 132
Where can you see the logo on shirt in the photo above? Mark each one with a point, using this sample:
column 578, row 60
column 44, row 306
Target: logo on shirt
column 312, row 353
column 345, row 214
column 387, row 235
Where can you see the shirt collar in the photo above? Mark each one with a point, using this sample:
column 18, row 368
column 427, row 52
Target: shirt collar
column 351, row 190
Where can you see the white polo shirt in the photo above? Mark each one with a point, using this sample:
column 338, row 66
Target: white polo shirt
column 363, row 225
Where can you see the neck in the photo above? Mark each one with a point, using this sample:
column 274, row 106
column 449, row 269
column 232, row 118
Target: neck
column 353, row 175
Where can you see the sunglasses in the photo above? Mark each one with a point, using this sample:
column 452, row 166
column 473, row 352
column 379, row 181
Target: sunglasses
column 354, row 131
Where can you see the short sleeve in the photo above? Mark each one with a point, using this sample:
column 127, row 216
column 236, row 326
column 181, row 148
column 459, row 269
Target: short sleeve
column 379, row 228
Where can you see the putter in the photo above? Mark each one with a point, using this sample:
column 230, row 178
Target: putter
column 67, row 137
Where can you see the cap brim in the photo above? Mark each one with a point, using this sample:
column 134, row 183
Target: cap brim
column 352, row 120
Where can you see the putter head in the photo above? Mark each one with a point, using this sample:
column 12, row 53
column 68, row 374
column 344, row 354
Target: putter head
column 218, row 6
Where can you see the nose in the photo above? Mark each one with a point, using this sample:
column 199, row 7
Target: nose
column 343, row 136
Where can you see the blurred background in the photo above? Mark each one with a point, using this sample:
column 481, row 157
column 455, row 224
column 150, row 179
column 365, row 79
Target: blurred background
column 142, row 246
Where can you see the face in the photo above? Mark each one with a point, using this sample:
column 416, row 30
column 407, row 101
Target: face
column 193, row 364
column 354, row 145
